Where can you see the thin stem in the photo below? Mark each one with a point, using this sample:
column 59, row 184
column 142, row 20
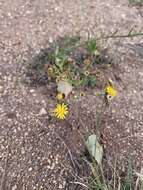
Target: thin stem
column 121, row 36
column 98, row 122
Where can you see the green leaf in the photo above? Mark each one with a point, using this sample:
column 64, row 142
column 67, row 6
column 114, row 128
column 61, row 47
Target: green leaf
column 92, row 46
column 129, row 177
column 94, row 148
column 92, row 81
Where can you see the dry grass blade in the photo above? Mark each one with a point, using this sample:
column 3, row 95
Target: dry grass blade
column 81, row 184
column 69, row 152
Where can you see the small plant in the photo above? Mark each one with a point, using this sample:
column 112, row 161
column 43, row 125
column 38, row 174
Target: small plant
column 70, row 63
column 91, row 46
column 99, row 180
column 67, row 59
column 68, row 68
column 97, row 164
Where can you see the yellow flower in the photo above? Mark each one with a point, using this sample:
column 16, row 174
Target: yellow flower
column 60, row 96
column 61, row 111
column 111, row 91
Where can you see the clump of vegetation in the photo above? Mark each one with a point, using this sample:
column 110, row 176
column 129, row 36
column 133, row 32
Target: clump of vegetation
column 70, row 63
column 70, row 60
column 136, row 2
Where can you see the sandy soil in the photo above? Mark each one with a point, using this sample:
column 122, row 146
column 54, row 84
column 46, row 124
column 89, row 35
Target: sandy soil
column 35, row 152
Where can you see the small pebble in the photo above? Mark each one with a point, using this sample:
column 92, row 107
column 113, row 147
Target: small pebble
column 60, row 186
column 14, row 187
column 30, row 169
column 43, row 112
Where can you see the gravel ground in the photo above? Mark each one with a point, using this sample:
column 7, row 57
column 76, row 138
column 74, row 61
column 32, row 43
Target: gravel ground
column 32, row 154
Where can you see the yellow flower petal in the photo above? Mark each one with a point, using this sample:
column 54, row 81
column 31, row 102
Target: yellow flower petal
column 61, row 111
column 111, row 91
column 60, row 96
